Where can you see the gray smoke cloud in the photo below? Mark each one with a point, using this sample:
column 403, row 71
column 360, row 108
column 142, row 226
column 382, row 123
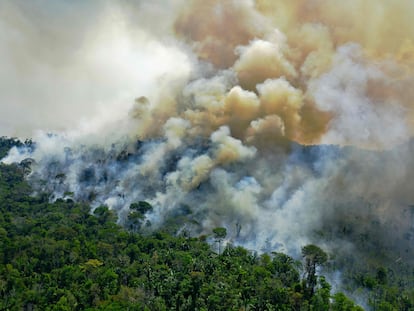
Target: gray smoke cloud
column 266, row 117
column 78, row 64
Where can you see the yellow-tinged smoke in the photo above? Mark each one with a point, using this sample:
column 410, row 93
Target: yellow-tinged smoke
column 216, row 27
column 283, row 53
column 271, row 71
column 222, row 88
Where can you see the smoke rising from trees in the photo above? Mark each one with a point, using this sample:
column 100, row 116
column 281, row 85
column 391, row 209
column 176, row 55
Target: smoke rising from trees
column 276, row 120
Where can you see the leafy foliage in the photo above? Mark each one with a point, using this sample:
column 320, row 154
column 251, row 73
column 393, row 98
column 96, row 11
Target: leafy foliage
column 314, row 256
column 60, row 256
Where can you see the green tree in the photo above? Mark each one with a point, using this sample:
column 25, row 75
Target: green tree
column 105, row 215
column 314, row 256
column 343, row 303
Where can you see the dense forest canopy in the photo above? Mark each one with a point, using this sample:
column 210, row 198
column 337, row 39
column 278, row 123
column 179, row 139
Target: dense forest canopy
column 62, row 256
column 265, row 131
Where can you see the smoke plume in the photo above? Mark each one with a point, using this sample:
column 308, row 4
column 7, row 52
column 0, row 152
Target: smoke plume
column 287, row 122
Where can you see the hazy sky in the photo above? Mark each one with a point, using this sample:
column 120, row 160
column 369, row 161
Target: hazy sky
column 66, row 62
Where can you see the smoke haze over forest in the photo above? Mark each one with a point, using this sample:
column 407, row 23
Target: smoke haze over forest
column 276, row 119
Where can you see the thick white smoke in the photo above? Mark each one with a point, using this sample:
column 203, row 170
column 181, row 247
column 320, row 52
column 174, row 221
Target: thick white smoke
column 77, row 65
column 274, row 119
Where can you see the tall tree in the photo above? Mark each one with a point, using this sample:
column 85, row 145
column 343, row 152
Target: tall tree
column 314, row 256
